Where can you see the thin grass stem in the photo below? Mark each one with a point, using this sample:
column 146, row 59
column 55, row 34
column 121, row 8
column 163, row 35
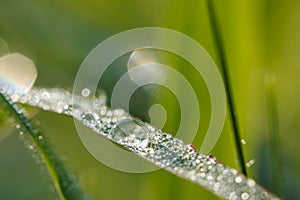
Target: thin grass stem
column 224, row 67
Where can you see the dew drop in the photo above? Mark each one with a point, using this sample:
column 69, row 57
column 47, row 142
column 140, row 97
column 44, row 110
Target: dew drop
column 245, row 196
column 131, row 132
column 100, row 100
column 251, row 183
column 238, row 179
column 202, row 169
column 45, row 94
column 40, row 137
column 175, row 145
column 119, row 112
column 74, row 110
column 264, row 195
column 67, row 109
column 243, row 141
column 17, row 74
column 89, row 120
column 150, row 150
column 193, row 177
column 250, row 163
column 216, row 186
column 85, row 92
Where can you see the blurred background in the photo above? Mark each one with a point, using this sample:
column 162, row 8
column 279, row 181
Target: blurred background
column 261, row 39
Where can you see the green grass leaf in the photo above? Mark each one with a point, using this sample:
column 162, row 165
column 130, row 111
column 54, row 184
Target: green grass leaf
column 65, row 183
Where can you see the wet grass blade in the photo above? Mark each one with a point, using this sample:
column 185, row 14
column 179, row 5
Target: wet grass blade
column 66, row 186
column 161, row 149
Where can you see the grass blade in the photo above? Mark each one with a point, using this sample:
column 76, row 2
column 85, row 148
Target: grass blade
column 224, row 67
column 161, row 149
column 64, row 182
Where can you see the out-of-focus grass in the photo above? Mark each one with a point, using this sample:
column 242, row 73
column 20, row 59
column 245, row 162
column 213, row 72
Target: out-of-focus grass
column 259, row 37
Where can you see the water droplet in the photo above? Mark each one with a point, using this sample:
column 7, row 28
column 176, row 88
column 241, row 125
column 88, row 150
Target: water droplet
column 18, row 126
column 264, row 195
column 250, row 163
column 243, row 141
column 131, row 132
column 149, row 150
column 119, row 112
column 238, row 179
column 45, row 94
column 245, row 196
column 175, row 145
column 67, row 109
column 40, row 137
column 193, row 177
column 89, row 120
column 251, row 183
column 202, row 169
column 216, row 186
column 100, row 100
column 85, row 92
column 17, row 74
column 75, row 110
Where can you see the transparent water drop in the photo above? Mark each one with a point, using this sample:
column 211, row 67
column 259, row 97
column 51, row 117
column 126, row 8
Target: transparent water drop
column 45, row 94
column 251, row 183
column 40, row 137
column 85, row 92
column 18, row 126
column 243, row 141
column 67, row 109
column 238, row 179
column 99, row 101
column 245, row 196
column 175, row 145
column 17, row 74
column 250, row 163
column 89, row 120
column 75, row 110
column 119, row 112
column 131, row 132
column 264, row 195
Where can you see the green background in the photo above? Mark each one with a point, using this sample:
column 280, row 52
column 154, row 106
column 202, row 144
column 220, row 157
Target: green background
column 260, row 38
